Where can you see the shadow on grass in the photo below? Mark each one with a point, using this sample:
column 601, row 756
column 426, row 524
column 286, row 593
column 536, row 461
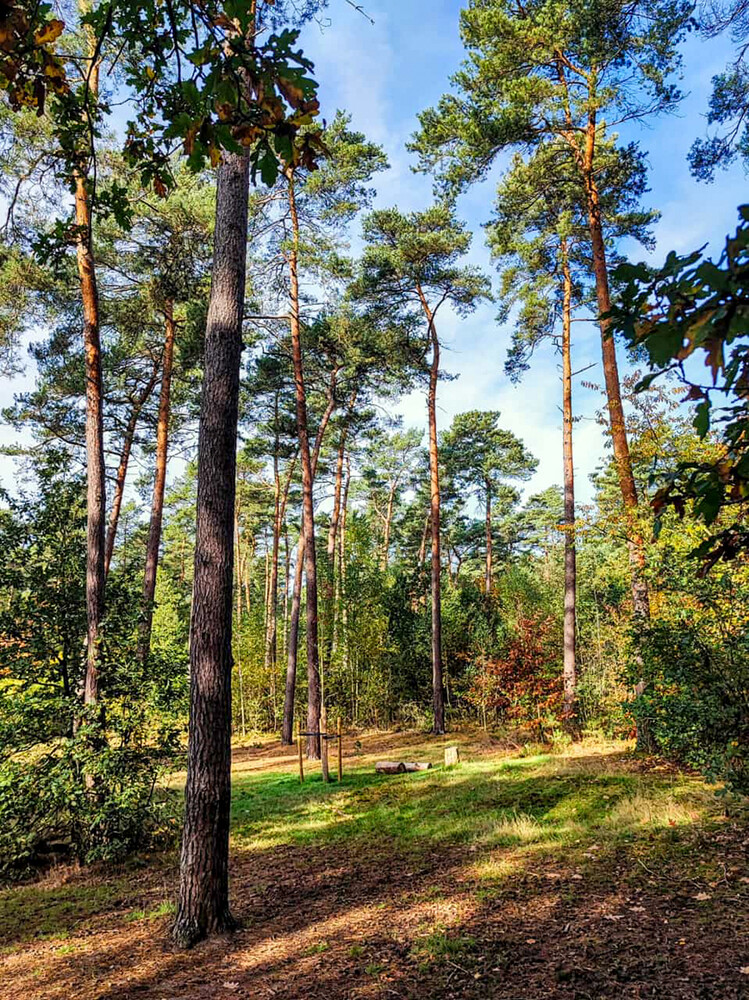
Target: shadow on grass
column 511, row 804
column 494, row 879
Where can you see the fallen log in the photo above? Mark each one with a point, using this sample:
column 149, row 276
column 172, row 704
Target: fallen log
column 400, row 766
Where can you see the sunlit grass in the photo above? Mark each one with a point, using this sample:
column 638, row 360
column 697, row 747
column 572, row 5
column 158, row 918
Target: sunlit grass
column 537, row 803
column 502, row 816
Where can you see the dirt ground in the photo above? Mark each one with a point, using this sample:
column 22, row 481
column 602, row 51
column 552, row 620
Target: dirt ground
column 368, row 920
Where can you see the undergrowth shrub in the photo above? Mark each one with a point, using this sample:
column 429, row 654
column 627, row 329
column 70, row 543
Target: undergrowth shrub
column 85, row 798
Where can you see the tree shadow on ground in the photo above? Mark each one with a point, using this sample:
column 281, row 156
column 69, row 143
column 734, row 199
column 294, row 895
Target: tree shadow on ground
column 526, row 879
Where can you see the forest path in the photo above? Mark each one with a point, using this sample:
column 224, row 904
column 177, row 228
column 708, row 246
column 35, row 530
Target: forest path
column 586, row 875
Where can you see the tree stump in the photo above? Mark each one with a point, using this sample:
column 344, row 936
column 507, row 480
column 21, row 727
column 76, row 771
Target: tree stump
column 452, row 756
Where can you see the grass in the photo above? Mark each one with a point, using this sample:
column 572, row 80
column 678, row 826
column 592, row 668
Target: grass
column 582, row 872
column 541, row 804
column 503, row 812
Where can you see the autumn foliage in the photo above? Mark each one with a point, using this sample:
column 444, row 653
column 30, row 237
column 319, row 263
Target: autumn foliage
column 524, row 685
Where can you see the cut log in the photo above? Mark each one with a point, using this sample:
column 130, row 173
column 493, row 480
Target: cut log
column 400, row 766
column 452, row 756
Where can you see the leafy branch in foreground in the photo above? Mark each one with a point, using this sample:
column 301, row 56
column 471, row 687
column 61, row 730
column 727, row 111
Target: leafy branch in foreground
column 691, row 307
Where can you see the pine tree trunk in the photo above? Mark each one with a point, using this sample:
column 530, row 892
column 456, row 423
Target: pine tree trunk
column 330, row 553
column 119, row 486
column 488, row 579
column 272, row 629
column 388, row 526
column 569, row 710
column 438, row 689
column 159, row 484
column 314, row 688
column 204, row 866
column 287, row 726
column 95, row 464
column 635, row 542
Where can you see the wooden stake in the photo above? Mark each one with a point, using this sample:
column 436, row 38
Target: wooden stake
column 324, row 744
column 340, row 752
column 299, row 748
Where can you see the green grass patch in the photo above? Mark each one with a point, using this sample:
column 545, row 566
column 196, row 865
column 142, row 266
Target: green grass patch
column 539, row 803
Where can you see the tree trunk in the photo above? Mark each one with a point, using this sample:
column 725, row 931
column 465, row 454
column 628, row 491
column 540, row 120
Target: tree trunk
column 329, row 582
column 119, row 486
column 438, row 690
column 204, row 864
column 342, row 564
column 388, row 525
column 569, row 710
column 272, row 630
column 287, row 726
column 635, row 542
column 314, row 688
column 159, row 484
column 488, row 575
column 95, row 465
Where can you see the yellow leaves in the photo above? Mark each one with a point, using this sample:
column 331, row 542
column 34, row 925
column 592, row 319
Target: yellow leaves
column 291, row 91
column 49, row 32
column 215, row 154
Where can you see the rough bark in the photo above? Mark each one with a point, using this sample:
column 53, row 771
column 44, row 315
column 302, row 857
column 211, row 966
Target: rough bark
column 570, row 580
column 204, row 864
column 438, row 690
column 157, row 502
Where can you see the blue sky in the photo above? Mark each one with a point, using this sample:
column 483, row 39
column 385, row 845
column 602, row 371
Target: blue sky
column 384, row 74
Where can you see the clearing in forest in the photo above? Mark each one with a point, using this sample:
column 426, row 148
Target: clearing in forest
column 586, row 875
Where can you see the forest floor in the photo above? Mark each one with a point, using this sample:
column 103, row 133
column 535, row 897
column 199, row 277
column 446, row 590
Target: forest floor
column 588, row 875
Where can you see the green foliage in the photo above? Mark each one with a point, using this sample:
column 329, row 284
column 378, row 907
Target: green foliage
column 86, row 800
column 728, row 139
column 73, row 782
column 693, row 307
column 537, row 72
column 698, row 673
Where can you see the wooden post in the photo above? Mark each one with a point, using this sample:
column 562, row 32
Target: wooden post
column 324, row 743
column 340, row 752
column 299, row 748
